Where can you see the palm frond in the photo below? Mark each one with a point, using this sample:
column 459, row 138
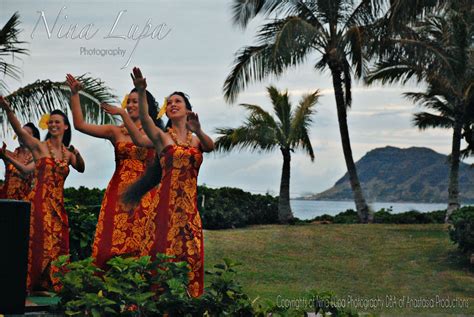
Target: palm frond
column 302, row 121
column 306, row 145
column 33, row 100
column 403, row 12
column 245, row 10
column 434, row 102
column 281, row 107
column 364, row 13
column 283, row 43
column 10, row 46
column 391, row 71
column 424, row 120
column 330, row 12
column 253, row 136
column 260, row 116
column 249, row 66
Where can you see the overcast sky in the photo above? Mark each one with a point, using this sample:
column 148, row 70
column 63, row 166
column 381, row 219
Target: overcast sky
column 193, row 51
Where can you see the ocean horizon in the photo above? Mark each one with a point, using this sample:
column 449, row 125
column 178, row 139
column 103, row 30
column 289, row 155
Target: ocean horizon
column 308, row 209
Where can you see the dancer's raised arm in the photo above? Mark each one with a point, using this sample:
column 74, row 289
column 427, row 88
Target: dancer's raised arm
column 138, row 138
column 8, row 157
column 29, row 141
column 99, row 131
column 154, row 133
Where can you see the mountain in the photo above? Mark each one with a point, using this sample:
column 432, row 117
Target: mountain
column 415, row 174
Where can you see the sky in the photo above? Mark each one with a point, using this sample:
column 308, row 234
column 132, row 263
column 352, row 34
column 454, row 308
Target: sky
column 190, row 46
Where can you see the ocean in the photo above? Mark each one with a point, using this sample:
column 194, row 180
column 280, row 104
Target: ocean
column 308, row 209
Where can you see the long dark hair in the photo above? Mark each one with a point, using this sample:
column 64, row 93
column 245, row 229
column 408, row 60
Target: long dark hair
column 33, row 128
column 152, row 108
column 67, row 133
column 152, row 175
column 186, row 101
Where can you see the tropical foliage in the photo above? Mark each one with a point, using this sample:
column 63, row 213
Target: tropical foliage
column 146, row 287
column 33, row 100
column 438, row 50
column 10, row 47
column 462, row 229
column 287, row 132
column 337, row 31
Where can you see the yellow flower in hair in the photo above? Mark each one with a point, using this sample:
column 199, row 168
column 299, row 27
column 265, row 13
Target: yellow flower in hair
column 43, row 123
column 124, row 101
column 163, row 109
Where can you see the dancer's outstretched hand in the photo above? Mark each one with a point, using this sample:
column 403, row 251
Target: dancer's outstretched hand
column 138, row 80
column 112, row 110
column 4, row 104
column 73, row 83
column 192, row 123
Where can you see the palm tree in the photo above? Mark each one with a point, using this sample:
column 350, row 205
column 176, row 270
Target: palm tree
column 33, row 100
column 261, row 131
column 336, row 30
column 439, row 51
column 9, row 47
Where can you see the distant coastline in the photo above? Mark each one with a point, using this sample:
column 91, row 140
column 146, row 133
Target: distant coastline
column 395, row 175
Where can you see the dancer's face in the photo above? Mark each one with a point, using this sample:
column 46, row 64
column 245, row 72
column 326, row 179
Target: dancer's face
column 56, row 125
column 176, row 107
column 132, row 105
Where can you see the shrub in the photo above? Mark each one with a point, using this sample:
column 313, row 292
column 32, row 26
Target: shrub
column 142, row 287
column 82, row 224
column 232, row 208
column 462, row 229
column 386, row 216
column 348, row 216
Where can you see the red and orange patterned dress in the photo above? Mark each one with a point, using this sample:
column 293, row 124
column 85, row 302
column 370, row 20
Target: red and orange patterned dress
column 16, row 185
column 179, row 228
column 49, row 229
column 121, row 231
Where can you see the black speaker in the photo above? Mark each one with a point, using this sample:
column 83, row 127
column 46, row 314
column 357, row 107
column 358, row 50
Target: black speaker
column 14, row 237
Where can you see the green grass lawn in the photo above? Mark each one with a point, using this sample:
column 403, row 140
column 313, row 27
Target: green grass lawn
column 358, row 262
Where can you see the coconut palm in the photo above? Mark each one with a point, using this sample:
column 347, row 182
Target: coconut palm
column 439, row 51
column 33, row 100
column 261, row 131
column 10, row 47
column 335, row 30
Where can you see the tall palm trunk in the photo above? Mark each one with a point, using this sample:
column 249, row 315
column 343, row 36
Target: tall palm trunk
column 453, row 189
column 284, row 208
column 365, row 216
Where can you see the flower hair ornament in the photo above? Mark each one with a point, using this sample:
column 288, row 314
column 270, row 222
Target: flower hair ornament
column 124, row 101
column 163, row 109
column 43, row 123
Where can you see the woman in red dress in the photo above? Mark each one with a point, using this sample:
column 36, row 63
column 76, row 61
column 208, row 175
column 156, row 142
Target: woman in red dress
column 49, row 229
column 18, row 185
column 121, row 229
column 179, row 228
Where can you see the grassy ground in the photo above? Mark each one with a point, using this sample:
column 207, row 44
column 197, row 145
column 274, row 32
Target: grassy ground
column 357, row 262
